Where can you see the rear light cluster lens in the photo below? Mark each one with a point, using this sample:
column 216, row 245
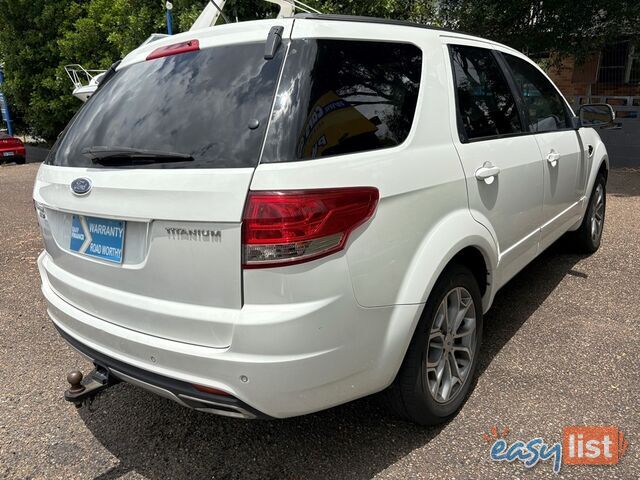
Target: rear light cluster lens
column 289, row 227
column 11, row 142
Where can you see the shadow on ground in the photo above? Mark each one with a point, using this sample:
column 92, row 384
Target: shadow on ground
column 159, row 439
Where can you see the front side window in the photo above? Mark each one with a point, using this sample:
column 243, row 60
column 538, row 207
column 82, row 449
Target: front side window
column 343, row 96
column 486, row 106
column 545, row 108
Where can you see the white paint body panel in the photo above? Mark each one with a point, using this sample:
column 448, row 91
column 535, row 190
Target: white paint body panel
column 314, row 335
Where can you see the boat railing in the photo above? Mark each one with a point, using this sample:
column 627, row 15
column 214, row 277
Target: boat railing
column 81, row 76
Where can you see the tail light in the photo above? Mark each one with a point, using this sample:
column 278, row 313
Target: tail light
column 289, row 227
column 11, row 142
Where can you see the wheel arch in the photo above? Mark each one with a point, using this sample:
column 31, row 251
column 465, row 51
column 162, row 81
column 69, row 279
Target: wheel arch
column 457, row 238
column 467, row 242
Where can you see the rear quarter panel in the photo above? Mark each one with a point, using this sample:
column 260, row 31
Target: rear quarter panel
column 422, row 218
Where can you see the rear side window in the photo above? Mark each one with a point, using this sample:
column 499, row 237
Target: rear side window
column 486, row 106
column 197, row 104
column 545, row 108
column 343, row 96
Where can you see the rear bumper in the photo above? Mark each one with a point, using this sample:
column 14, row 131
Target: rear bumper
column 180, row 392
column 275, row 367
column 18, row 154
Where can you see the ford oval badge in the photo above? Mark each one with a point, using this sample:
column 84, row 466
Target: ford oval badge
column 81, row 186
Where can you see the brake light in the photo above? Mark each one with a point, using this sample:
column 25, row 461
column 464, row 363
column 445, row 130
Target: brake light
column 289, row 227
column 175, row 49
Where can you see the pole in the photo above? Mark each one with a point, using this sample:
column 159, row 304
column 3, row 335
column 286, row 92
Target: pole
column 169, row 6
column 5, row 107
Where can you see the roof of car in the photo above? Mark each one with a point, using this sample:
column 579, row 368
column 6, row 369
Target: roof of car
column 389, row 21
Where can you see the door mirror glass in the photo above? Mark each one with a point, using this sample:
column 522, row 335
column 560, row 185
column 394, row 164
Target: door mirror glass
column 596, row 115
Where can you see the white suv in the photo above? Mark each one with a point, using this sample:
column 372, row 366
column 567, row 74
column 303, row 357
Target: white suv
column 270, row 218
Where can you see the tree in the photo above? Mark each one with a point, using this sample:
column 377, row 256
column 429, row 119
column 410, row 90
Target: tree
column 541, row 27
column 39, row 37
column 29, row 30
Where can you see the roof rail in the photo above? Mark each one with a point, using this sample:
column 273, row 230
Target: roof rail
column 377, row 20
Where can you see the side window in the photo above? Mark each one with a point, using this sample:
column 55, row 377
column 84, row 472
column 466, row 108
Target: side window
column 343, row 96
column 544, row 106
column 485, row 102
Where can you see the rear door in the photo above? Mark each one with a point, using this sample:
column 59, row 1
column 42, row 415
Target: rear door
column 564, row 163
column 501, row 162
column 143, row 194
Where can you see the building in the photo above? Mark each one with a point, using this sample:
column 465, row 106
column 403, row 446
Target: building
column 611, row 76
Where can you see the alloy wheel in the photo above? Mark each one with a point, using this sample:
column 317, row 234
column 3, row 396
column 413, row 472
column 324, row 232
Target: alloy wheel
column 451, row 345
column 597, row 215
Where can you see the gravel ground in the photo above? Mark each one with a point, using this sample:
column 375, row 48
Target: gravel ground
column 561, row 348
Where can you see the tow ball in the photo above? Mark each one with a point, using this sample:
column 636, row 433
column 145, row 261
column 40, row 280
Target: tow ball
column 83, row 389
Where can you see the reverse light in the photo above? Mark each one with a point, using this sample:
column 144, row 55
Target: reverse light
column 289, row 227
column 175, row 49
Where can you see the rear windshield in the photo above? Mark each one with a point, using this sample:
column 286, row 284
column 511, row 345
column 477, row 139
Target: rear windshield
column 343, row 96
column 212, row 105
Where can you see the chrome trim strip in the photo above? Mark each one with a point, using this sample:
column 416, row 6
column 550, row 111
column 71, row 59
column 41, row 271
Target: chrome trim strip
column 240, row 412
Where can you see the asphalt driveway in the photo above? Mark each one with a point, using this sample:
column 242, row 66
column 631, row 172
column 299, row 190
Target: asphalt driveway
column 562, row 346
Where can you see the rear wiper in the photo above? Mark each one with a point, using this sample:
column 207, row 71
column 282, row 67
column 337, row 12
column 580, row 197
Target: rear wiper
column 113, row 156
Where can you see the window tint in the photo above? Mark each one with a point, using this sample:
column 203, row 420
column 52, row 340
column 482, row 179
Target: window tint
column 485, row 103
column 343, row 96
column 545, row 109
column 198, row 104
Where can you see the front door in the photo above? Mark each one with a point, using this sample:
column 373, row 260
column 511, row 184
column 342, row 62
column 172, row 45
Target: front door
column 565, row 172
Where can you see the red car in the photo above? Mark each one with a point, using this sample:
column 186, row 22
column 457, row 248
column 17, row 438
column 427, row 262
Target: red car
column 12, row 149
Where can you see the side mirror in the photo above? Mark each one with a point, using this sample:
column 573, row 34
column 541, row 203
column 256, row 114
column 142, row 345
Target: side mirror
column 595, row 115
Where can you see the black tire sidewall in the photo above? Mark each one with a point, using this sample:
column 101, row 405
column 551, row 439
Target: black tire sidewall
column 420, row 405
column 585, row 230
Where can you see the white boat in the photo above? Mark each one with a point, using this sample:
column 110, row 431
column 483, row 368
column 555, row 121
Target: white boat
column 85, row 81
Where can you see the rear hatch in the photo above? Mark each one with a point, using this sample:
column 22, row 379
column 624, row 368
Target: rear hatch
column 141, row 198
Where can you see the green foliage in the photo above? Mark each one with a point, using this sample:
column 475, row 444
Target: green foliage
column 29, row 30
column 537, row 27
column 39, row 37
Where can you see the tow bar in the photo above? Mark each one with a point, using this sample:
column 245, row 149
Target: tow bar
column 84, row 389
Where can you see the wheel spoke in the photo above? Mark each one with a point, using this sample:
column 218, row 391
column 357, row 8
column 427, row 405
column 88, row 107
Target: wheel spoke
column 461, row 316
column 454, row 367
column 462, row 349
column 469, row 330
column 441, row 317
column 446, row 381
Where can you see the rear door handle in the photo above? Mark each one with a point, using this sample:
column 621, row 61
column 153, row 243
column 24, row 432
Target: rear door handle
column 487, row 173
column 553, row 157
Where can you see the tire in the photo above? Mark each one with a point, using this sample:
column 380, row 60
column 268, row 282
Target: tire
column 589, row 235
column 20, row 161
column 412, row 396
